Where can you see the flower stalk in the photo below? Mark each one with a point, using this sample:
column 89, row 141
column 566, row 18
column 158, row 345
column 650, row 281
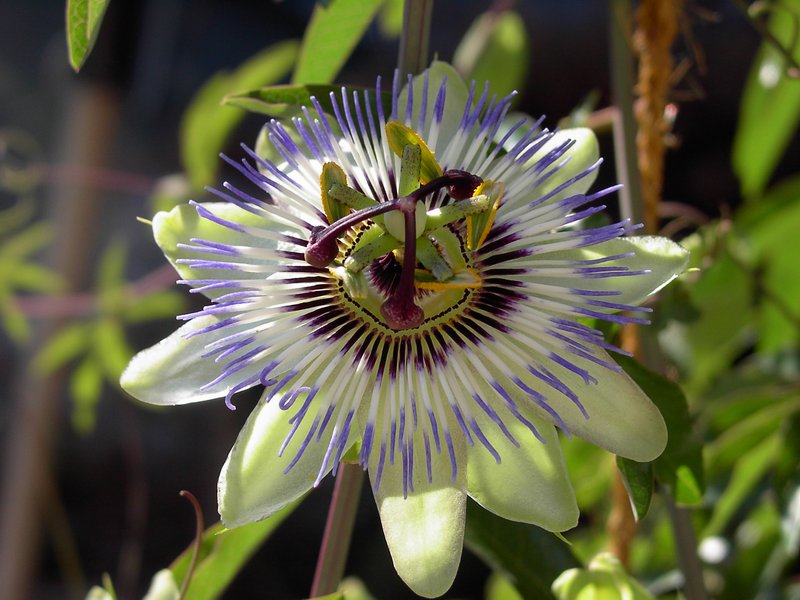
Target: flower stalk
column 338, row 530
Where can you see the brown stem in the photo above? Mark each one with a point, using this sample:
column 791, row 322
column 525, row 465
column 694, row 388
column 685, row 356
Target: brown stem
column 657, row 26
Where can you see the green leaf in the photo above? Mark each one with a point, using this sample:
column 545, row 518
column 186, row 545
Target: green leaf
column 83, row 25
column 770, row 110
column 390, row 19
column 85, row 387
column 495, row 49
column 512, row 548
column 500, row 588
column 111, row 271
column 35, row 278
column 746, row 474
column 160, row 305
column 207, row 124
column 111, row 348
column 63, row 347
column 14, row 321
column 680, row 467
column 223, row 554
column 769, row 227
column 27, row 241
column 707, row 346
column 331, row 37
column 638, row 478
column 281, row 101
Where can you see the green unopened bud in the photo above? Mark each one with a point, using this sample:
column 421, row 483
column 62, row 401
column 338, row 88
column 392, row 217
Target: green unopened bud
column 605, row 579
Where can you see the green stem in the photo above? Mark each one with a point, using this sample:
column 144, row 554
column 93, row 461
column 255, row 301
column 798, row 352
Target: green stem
column 413, row 57
column 631, row 204
column 338, row 530
column 686, row 542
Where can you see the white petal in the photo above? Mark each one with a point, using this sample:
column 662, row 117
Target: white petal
column 173, row 371
column 425, row 530
column 255, row 482
column 183, row 223
column 661, row 258
column 455, row 99
column 584, row 153
column 621, row 418
column 531, row 483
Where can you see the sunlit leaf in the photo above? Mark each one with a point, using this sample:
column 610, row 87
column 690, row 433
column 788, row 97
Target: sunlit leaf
column 288, row 100
column 770, row 108
column 390, row 19
column 83, row 25
column 500, row 588
column 513, row 548
column 207, row 124
column 495, row 49
column 330, row 38
column 681, row 465
column 223, row 554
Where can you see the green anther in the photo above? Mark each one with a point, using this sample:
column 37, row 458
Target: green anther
column 372, row 244
column 332, row 175
column 409, row 169
column 450, row 246
column 479, row 224
column 432, row 259
column 399, row 136
column 347, row 196
column 408, row 184
column 439, row 217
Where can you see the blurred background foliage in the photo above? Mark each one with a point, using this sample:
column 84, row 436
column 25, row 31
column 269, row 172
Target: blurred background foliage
column 91, row 480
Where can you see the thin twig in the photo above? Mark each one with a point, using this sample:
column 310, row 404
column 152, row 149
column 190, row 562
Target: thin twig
column 198, row 541
column 88, row 304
